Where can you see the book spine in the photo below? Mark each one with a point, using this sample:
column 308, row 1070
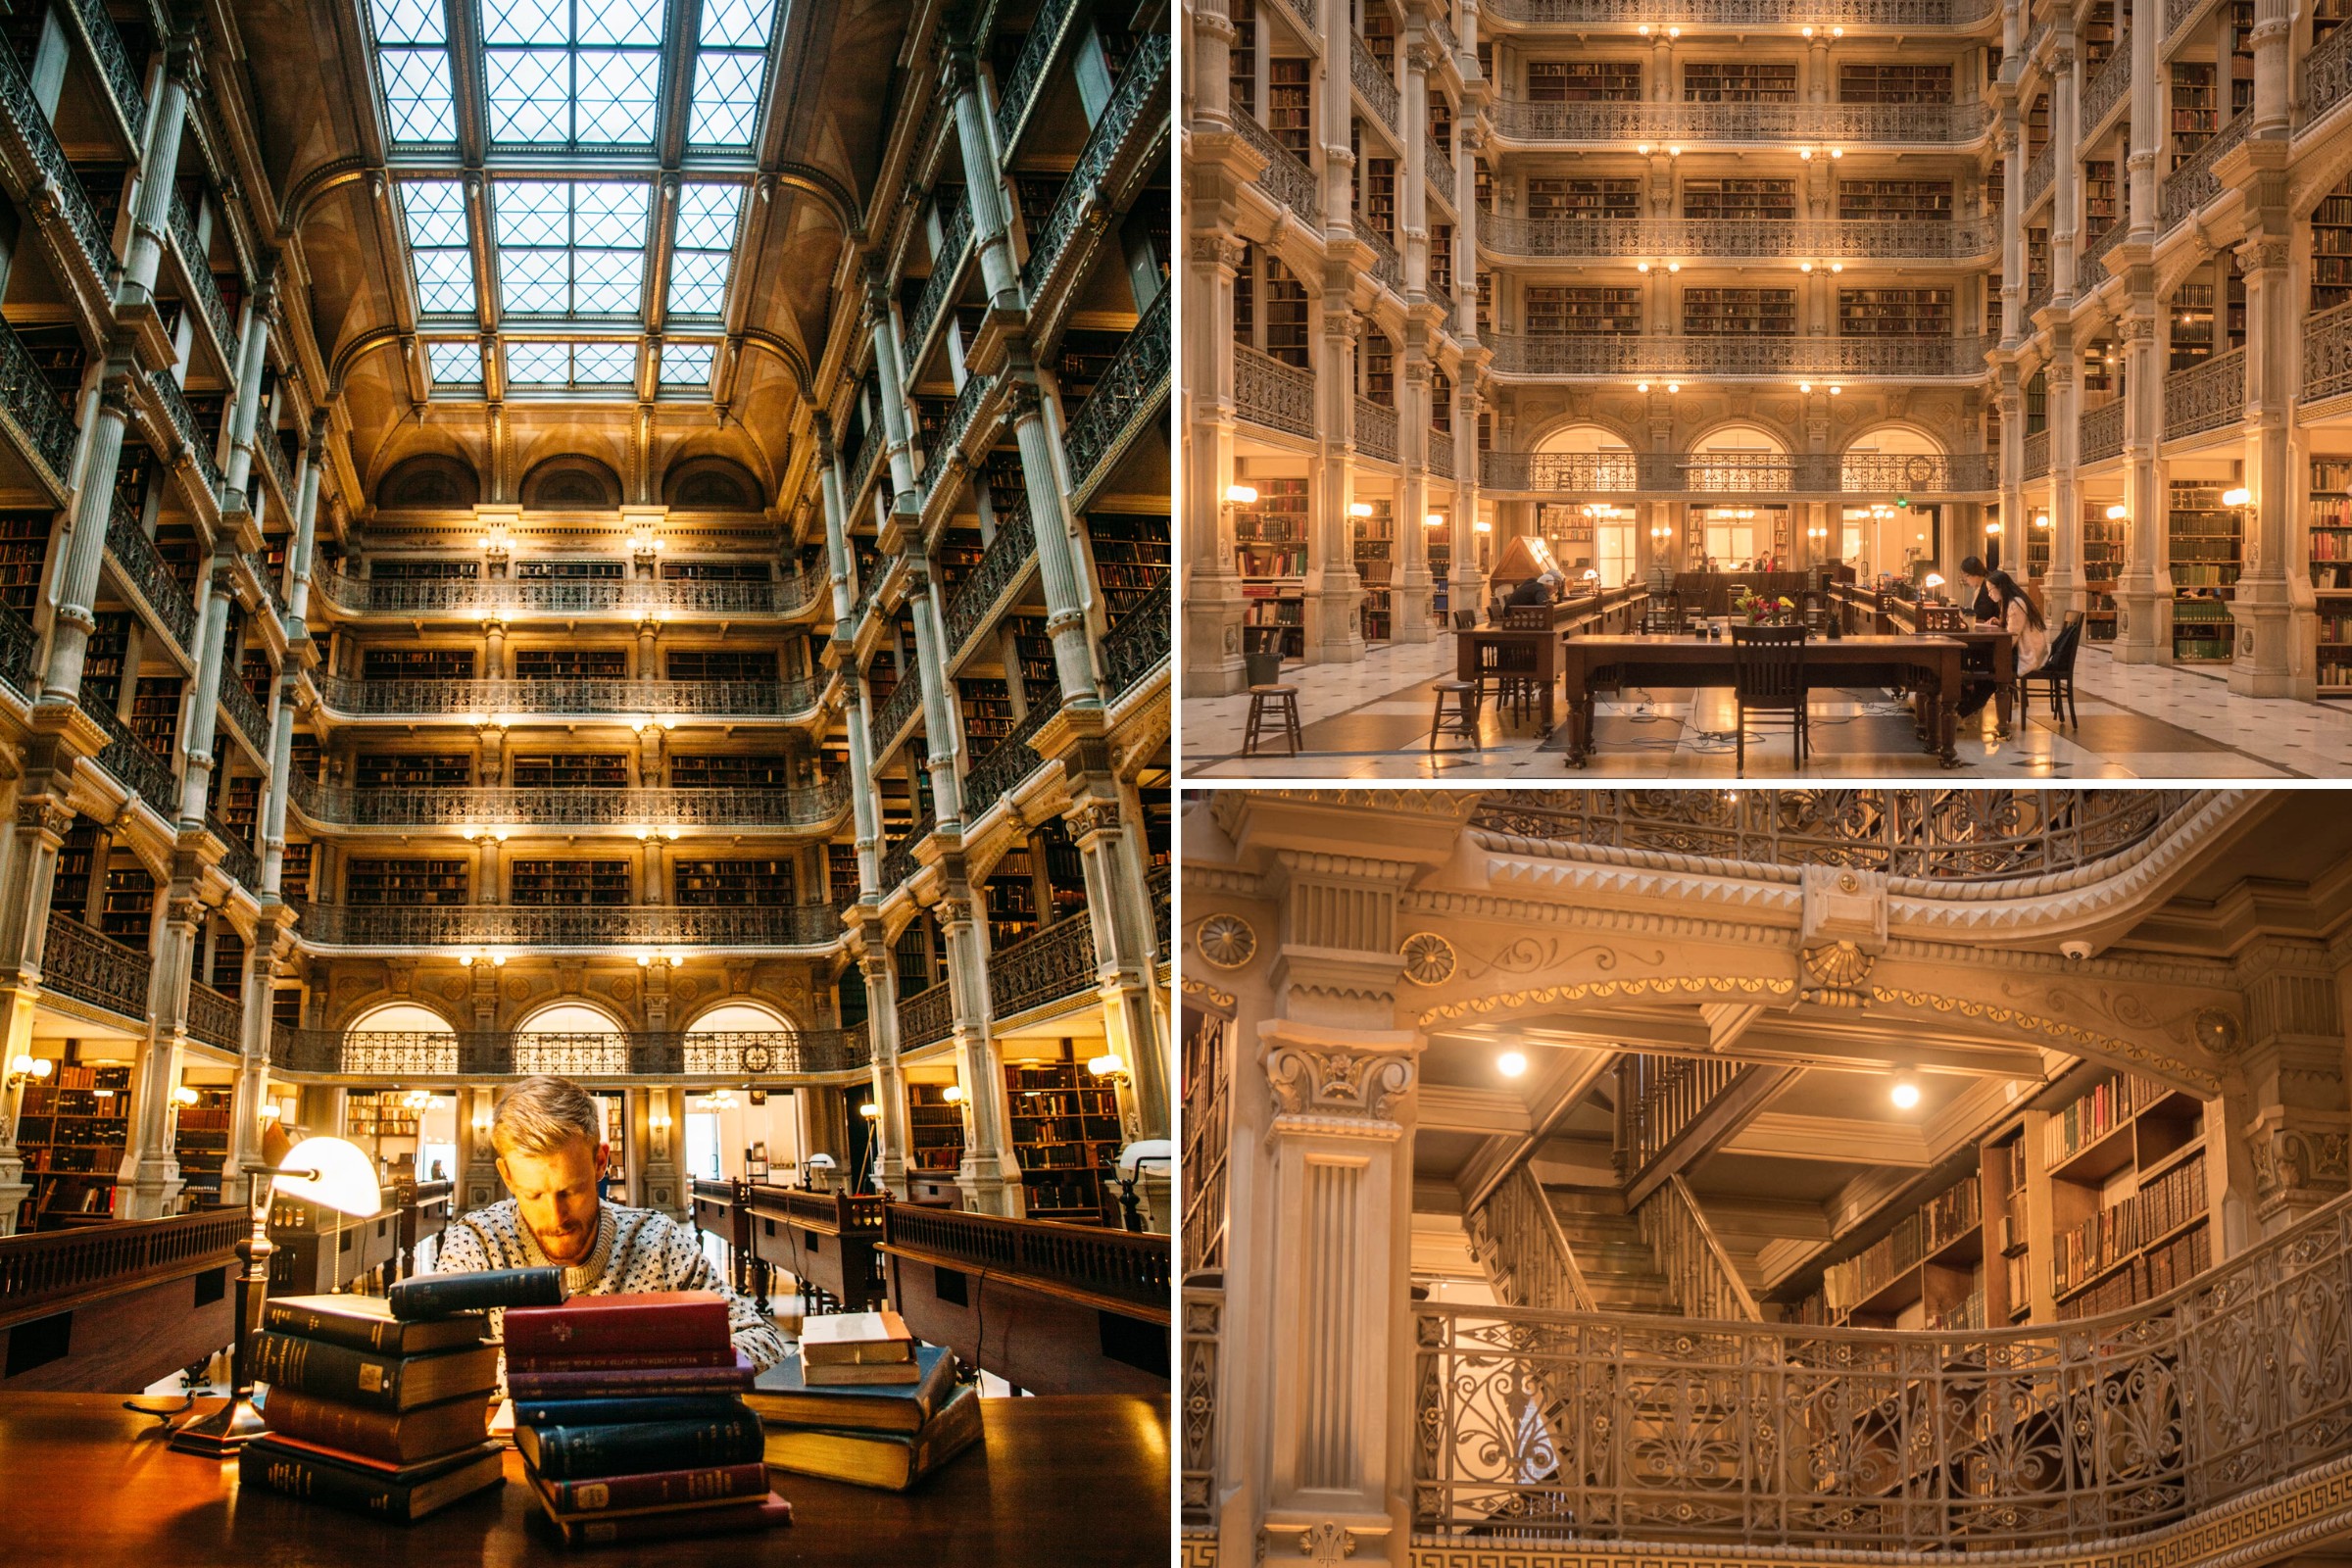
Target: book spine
column 657, row 1489
column 613, row 1361
column 318, row 1483
column 620, row 1385
column 440, row 1295
column 308, row 1418
column 332, row 1371
column 358, row 1334
column 607, row 1412
column 725, row 1521
column 581, row 1453
column 656, row 1325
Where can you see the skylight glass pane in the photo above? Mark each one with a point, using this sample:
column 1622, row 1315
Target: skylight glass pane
column 622, row 23
column 702, row 253
column 455, row 363
column 570, row 247
column 604, row 364
column 529, row 94
column 736, row 23
column 685, row 363
column 412, row 52
column 570, row 72
column 538, row 364
column 617, row 95
column 438, row 248
column 725, row 110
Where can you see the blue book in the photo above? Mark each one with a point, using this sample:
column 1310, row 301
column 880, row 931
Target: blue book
column 611, row 1412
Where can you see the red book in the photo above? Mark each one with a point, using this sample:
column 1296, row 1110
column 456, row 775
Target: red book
column 728, row 1518
column 611, row 1360
column 659, row 1489
column 626, row 1382
column 652, row 1320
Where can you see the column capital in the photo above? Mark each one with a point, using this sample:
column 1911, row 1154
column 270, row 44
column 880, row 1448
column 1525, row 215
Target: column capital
column 1224, row 252
column 1346, row 1083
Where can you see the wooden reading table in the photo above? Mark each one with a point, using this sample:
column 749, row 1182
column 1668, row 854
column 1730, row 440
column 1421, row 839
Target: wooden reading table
column 1931, row 664
column 1065, row 1479
column 1533, row 651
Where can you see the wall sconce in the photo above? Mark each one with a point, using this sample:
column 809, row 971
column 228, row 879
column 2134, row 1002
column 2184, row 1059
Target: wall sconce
column 719, row 1100
column 1673, row 387
column 1359, row 509
column 643, row 546
column 2041, row 519
column 270, row 1110
column 184, row 1095
column 953, row 1094
column 29, row 1066
column 495, row 545
column 1482, row 527
column 869, row 1110
column 417, row 1099
column 2238, row 497
column 1240, row 495
column 1992, row 529
column 490, row 957
column 1436, row 520
column 2118, row 512
column 1108, row 1067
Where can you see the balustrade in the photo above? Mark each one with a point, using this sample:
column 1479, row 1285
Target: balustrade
column 556, row 596
column 1386, row 266
column 81, row 963
column 20, row 654
column 1438, row 162
column 1375, row 429
column 1441, row 443
column 1017, row 89
column 1121, row 1265
column 2191, row 186
column 1516, row 1237
column 198, row 270
column 1268, row 392
column 1159, row 883
column 1701, row 1276
column 1374, row 81
column 1737, row 354
column 1899, row 14
column 1012, row 759
column 1285, row 177
column 42, row 422
column 143, row 569
column 1005, row 562
column 502, row 925
column 1737, row 473
column 51, row 1271
column 1132, row 388
column 134, row 763
column 2205, row 397
column 480, row 701
column 1664, row 1096
column 245, row 711
column 947, row 266
column 2328, row 75
column 237, row 860
column 2107, row 88
column 1139, row 642
column 1139, row 86
column 895, row 713
column 1621, row 123
column 926, row 1018
column 726, row 806
column 30, row 121
column 2327, row 344
column 1735, row 238
column 213, row 1018
column 191, row 436
column 1045, row 967
column 2100, row 432
column 2037, row 453
column 115, row 68
column 731, row 1054
column 899, row 861
column 941, row 450
column 2039, row 174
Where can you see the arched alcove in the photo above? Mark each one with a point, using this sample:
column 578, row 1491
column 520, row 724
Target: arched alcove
column 571, row 1039
column 571, row 483
column 711, row 484
column 429, row 481
column 400, row 1036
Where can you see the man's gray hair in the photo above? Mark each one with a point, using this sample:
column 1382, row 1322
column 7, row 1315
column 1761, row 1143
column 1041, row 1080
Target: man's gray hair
column 542, row 1115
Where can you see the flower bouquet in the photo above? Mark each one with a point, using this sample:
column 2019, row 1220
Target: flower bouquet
column 1763, row 611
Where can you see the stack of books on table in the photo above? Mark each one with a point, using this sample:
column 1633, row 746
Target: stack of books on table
column 865, row 1402
column 630, row 1416
column 371, row 1413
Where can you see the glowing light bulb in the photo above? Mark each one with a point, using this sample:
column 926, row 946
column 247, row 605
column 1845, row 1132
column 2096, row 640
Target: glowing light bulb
column 1510, row 1064
column 1905, row 1092
column 1241, row 495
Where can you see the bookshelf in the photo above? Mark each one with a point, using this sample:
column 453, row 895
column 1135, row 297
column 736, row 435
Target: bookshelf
column 382, row 882
column 2102, row 564
column 1012, row 898
column 722, row 664
column 1880, row 82
column 1375, row 562
column 200, row 1142
column 1774, row 199
column 417, row 664
column 1741, row 312
column 24, row 547
column 128, row 913
column 1548, row 197
column 424, row 571
column 1441, row 567
column 2008, row 1233
column 582, row 770
column 1902, row 201
column 2197, row 109
column 2332, row 247
column 573, row 663
column 985, row 706
column 70, row 889
column 709, row 884
column 1131, row 557
column 1738, row 82
column 2330, row 515
column 103, row 660
column 295, row 884
column 1584, row 82
column 70, row 1133
column 1270, row 542
column 413, row 770
column 2206, row 550
column 693, row 771
column 1927, row 1272
column 2101, row 209
column 1033, row 650
column 1064, row 1131
column 1561, row 311
column 1894, row 312
column 934, row 1129
column 155, row 711
column 370, row 1114
column 570, row 571
column 715, row 571
column 2128, row 1193
column 572, row 883
column 841, row 875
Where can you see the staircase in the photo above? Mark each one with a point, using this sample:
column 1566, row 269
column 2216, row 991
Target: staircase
column 1619, row 1269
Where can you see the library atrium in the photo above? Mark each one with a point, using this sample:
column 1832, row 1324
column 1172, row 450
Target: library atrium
column 1684, row 303
column 624, row 542
column 1651, row 1177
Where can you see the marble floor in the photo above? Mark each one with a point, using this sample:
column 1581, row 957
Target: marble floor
column 2138, row 721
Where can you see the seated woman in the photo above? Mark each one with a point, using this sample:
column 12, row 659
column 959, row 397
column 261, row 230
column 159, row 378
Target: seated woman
column 2015, row 612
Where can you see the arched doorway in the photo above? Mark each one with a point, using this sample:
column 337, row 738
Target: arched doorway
column 759, row 1141
column 1583, row 466
column 409, row 1130
column 575, row 1041
column 1889, row 530
column 1737, row 462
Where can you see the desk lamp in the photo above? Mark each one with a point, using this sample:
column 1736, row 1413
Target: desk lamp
column 1132, row 1160
column 327, row 1171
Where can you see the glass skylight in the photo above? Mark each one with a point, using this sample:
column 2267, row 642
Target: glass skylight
column 571, row 72
column 729, row 65
column 454, row 361
column 602, row 363
column 570, row 247
column 438, row 245
column 704, row 251
column 686, row 364
column 411, row 51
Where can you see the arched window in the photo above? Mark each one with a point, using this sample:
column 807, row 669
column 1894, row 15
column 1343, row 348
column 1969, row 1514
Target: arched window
column 429, row 481
column 571, row 1040
column 398, row 1039
column 741, row 1038
column 571, row 483
column 711, row 484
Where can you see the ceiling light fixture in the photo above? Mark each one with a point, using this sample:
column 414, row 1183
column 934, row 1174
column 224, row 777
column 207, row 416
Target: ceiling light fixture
column 1905, row 1092
column 1510, row 1064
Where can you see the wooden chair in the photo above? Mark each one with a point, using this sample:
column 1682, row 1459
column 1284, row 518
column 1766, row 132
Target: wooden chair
column 2057, row 672
column 1462, row 720
column 1275, row 709
column 1465, row 620
column 1506, row 675
column 1768, row 675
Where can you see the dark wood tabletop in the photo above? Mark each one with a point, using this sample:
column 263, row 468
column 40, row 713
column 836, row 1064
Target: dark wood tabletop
column 1075, row 1479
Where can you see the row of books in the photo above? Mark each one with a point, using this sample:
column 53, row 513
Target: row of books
column 2146, row 1276
column 2101, row 1242
column 1963, row 1316
column 2109, row 1103
column 1933, row 1225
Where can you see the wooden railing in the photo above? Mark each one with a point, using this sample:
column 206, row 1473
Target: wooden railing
column 1700, row 1275
column 51, row 1271
column 1129, row 1268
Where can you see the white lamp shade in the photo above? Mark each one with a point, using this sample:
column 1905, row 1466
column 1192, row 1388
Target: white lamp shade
column 345, row 1180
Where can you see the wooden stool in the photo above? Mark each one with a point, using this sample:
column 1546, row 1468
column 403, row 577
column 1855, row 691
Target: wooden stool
column 1274, row 708
column 1464, row 719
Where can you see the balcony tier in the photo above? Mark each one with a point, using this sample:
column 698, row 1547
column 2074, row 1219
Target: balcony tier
column 596, row 927
column 736, row 808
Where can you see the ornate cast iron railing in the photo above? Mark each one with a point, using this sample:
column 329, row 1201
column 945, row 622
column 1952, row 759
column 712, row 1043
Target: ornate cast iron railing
column 788, row 925
column 2037, row 453
column 926, row 1016
column 460, row 805
column 2327, row 75
column 1933, row 835
column 245, row 711
column 2327, row 342
column 1139, row 642
column 1663, row 1095
column 941, row 451
column 899, row 861
column 1204, row 1334
column 198, row 270
column 2038, row 175
column 113, row 61
column 1208, row 1087
column 1439, row 166
column 20, row 654
column 1013, row 759
column 1159, row 883
column 2106, row 89
column 1124, row 1266
column 50, row 1270
column 567, row 596
column 1018, row 90
column 31, row 121
column 1441, row 443
column 2099, row 432
column 263, row 573
column 708, row 698
column 1387, row 267
column 1700, row 1275
column 1121, row 406
column 1913, row 473
column 1737, row 354
column 1518, row 121
column 237, row 860
column 129, row 760
column 143, row 569
column 190, row 433
column 1139, row 86
column 1285, row 177
column 273, row 455
column 1373, row 81
column 1542, row 1425
column 1043, row 967
column 895, row 713
column 213, row 1018
column 1375, row 429
column 82, row 964
column 1268, row 392
column 38, row 417
column 667, row 1054
column 947, row 266
column 1826, row 240
column 1901, row 15
column 1516, row 1237
column 2207, row 396
column 2194, row 183
column 1002, row 564
column 869, row 458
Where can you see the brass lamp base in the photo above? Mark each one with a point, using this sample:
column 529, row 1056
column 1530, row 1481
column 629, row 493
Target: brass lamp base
column 221, row 1435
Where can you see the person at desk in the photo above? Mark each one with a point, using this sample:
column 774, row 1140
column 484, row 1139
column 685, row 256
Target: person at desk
column 2016, row 614
column 552, row 1154
column 1976, row 599
column 1542, row 589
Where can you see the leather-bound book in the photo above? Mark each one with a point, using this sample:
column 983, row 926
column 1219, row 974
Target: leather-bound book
column 586, row 1453
column 605, row 1382
column 624, row 1411
column 784, row 1397
column 430, row 1296
column 891, row 1461
column 405, row 1493
column 669, row 1321
column 395, row 1437
column 653, row 1491
column 853, row 1339
column 367, row 1323
column 728, row 1519
column 378, row 1382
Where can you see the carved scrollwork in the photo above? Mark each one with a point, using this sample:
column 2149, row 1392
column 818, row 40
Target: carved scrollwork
column 1337, row 1081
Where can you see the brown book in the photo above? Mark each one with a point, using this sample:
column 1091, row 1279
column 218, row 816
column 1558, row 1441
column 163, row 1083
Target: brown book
column 785, row 1395
column 650, row 1492
column 837, row 1338
column 613, row 1360
column 860, row 1374
column 392, row 1436
column 893, row 1461
column 381, row 1382
column 367, row 1323
column 722, row 1519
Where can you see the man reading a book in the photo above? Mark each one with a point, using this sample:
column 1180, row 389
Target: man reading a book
column 549, row 1134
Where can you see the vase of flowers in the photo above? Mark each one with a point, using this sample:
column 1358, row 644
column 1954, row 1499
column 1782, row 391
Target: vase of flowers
column 1762, row 610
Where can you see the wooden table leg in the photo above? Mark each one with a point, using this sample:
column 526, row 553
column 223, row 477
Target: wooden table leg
column 1947, row 709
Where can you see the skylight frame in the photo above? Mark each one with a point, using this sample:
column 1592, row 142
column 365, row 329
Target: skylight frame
column 678, row 353
column 502, row 56
column 524, row 261
column 734, row 45
column 409, row 42
column 614, row 363
column 703, row 237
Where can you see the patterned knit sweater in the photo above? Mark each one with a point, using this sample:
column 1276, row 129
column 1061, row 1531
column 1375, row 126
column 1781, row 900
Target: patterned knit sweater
column 636, row 1249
